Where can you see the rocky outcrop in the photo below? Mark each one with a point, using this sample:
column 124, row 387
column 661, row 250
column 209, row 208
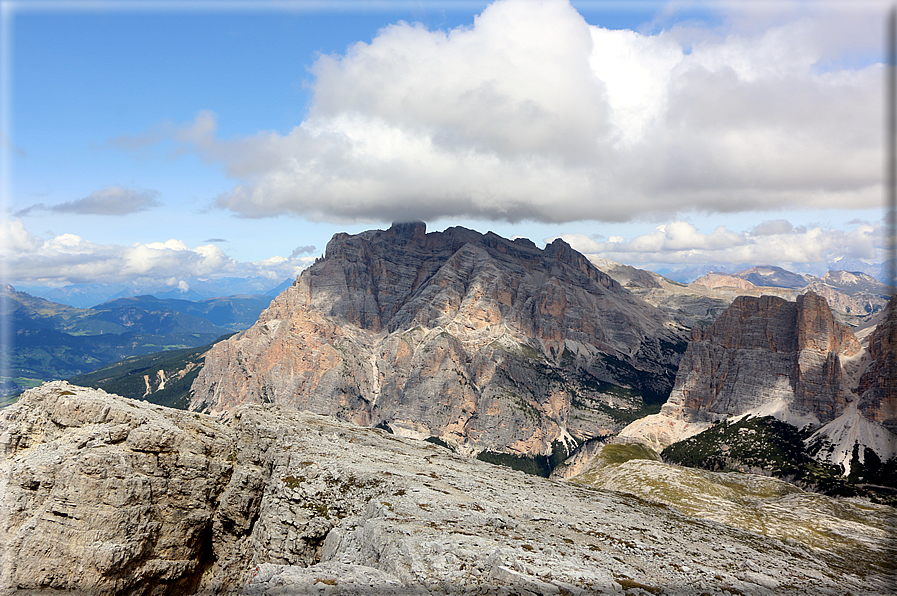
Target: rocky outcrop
column 762, row 356
column 104, row 495
column 486, row 342
column 109, row 496
column 877, row 386
column 761, row 352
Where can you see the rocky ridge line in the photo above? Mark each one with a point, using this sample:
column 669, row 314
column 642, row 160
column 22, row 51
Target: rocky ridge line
column 855, row 298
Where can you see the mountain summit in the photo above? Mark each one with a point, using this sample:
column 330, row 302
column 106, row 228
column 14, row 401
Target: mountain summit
column 485, row 342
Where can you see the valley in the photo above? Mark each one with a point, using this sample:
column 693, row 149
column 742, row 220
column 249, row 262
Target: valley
column 57, row 341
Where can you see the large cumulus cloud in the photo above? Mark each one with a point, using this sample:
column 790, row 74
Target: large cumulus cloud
column 533, row 113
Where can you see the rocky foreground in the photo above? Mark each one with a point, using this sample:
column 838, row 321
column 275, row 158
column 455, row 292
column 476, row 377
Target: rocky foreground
column 104, row 495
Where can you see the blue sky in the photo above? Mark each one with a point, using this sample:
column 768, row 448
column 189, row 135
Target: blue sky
column 161, row 141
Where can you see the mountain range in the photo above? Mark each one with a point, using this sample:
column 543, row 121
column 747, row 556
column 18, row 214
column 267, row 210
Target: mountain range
column 53, row 340
column 688, row 273
column 500, row 349
column 854, row 297
column 453, row 347
column 88, row 295
column 495, row 346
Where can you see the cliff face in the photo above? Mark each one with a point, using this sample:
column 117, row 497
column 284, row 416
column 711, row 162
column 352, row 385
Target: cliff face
column 762, row 356
column 101, row 495
column 765, row 353
column 486, row 342
column 878, row 383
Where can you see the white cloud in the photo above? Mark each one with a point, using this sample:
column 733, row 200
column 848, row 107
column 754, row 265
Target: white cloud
column 532, row 113
column 773, row 243
column 15, row 238
column 68, row 258
column 112, row 200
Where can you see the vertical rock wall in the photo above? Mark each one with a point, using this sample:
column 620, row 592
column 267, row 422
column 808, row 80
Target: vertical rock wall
column 878, row 383
column 765, row 354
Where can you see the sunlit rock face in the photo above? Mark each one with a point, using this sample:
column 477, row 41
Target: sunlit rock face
column 105, row 495
column 766, row 352
column 762, row 356
column 487, row 342
column 878, row 384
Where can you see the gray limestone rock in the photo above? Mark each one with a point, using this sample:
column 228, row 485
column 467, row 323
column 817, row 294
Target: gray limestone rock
column 104, row 495
column 766, row 354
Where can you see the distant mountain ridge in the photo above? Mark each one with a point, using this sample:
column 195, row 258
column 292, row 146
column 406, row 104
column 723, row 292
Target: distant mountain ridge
column 688, row 273
column 92, row 294
column 775, row 277
column 854, row 297
column 162, row 378
column 53, row 341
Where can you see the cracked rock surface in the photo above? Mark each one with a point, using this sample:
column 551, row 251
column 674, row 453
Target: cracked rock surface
column 105, row 495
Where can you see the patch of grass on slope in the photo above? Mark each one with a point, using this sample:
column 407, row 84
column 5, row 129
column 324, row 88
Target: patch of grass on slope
column 613, row 454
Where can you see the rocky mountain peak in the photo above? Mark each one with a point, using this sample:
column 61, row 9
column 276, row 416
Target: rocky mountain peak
column 777, row 325
column 483, row 340
column 770, row 275
column 765, row 322
column 766, row 350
